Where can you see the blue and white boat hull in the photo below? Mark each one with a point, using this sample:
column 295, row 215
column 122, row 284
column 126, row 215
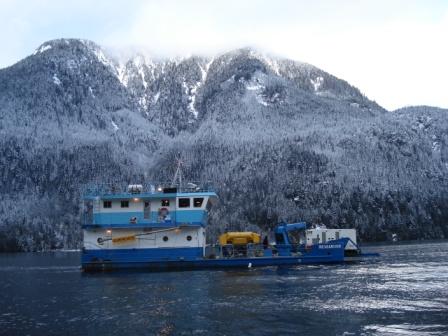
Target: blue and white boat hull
column 165, row 228
column 191, row 258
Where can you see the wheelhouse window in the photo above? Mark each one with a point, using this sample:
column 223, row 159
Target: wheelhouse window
column 165, row 202
column 184, row 202
column 197, row 202
column 125, row 204
column 107, row 204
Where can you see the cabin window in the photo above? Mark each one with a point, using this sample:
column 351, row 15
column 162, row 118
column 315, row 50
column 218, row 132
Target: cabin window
column 165, row 238
column 165, row 202
column 189, row 238
column 184, row 202
column 107, row 204
column 147, row 210
column 198, row 202
column 125, row 204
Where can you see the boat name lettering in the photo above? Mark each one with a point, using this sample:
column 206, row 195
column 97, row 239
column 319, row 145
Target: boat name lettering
column 330, row 246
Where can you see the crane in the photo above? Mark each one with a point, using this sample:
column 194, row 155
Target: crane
column 282, row 241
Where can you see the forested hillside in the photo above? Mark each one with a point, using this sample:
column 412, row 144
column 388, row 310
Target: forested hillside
column 280, row 140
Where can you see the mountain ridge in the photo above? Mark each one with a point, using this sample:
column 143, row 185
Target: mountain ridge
column 282, row 140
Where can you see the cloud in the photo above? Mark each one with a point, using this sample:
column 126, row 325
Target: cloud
column 393, row 51
column 27, row 24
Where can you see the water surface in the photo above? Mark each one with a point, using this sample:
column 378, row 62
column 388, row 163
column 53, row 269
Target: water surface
column 404, row 293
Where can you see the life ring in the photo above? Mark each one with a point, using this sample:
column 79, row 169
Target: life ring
column 133, row 220
column 163, row 213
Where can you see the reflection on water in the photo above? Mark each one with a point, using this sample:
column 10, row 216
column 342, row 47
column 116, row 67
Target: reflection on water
column 404, row 293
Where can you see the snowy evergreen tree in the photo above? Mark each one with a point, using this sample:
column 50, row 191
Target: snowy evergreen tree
column 280, row 140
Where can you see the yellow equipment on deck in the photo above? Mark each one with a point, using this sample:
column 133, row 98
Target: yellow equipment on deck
column 239, row 238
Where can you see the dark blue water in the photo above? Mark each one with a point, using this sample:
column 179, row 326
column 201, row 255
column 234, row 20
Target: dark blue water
column 406, row 292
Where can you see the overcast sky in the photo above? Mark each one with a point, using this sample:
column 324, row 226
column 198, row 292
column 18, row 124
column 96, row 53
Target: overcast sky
column 395, row 52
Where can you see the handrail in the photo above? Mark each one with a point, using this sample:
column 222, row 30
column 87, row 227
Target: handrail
column 231, row 251
column 113, row 188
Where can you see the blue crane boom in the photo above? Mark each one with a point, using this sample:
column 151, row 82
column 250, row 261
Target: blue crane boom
column 282, row 241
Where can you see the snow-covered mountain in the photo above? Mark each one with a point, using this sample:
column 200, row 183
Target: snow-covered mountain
column 280, row 139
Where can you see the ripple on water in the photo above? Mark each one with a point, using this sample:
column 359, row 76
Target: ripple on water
column 403, row 293
column 407, row 329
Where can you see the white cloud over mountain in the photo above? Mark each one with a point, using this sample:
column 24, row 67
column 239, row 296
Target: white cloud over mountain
column 394, row 52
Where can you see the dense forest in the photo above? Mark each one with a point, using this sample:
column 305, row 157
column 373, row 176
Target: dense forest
column 279, row 140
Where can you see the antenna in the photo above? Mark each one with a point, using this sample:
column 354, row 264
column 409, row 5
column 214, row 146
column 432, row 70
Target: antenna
column 178, row 174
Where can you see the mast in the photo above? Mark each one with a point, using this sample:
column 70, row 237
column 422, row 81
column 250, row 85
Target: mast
column 178, row 174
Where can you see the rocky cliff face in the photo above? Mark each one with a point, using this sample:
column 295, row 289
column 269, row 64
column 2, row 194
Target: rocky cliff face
column 279, row 139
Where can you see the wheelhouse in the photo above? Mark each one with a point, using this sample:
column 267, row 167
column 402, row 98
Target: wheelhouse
column 167, row 207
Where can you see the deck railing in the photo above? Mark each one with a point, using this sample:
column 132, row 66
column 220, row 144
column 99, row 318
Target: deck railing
column 253, row 250
column 97, row 189
column 234, row 251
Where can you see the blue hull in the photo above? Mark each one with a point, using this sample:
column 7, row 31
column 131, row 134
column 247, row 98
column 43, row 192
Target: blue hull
column 191, row 258
column 211, row 263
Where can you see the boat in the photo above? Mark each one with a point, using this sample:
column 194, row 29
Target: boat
column 156, row 227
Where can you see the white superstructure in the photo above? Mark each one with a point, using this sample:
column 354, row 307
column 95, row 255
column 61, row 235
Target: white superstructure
column 320, row 235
